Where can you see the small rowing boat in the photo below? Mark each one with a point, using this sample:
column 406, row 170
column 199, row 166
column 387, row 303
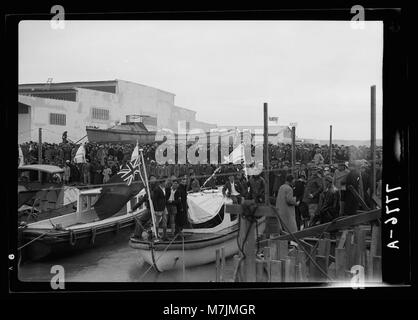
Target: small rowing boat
column 196, row 245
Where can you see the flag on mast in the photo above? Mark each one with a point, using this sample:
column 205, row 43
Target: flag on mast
column 80, row 156
column 120, row 188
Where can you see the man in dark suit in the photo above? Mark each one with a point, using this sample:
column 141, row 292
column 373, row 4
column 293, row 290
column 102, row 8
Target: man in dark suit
column 182, row 206
column 232, row 190
column 159, row 201
column 172, row 195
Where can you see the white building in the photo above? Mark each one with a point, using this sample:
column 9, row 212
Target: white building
column 71, row 106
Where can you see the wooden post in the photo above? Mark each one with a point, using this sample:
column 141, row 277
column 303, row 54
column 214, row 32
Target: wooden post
column 266, row 157
column 301, row 260
column 330, row 144
column 276, row 271
column 218, row 277
column 373, row 141
column 293, row 149
column 239, row 271
column 282, row 249
column 222, row 264
column 40, row 153
column 249, row 249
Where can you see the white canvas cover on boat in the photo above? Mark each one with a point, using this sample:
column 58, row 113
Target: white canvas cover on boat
column 205, row 205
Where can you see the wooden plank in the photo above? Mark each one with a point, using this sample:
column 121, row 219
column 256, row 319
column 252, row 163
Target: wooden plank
column 318, row 275
column 340, row 264
column 343, row 223
column 287, row 270
column 341, row 241
column 282, row 249
column 239, row 273
column 273, row 245
column 218, row 254
column 292, row 270
column 349, row 247
column 376, row 244
column 276, row 271
column 249, row 242
column 377, row 268
column 301, row 259
column 221, row 276
column 298, row 272
column 259, row 270
column 267, row 253
column 361, row 247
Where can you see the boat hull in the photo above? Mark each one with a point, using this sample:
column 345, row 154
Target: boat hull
column 165, row 256
column 60, row 242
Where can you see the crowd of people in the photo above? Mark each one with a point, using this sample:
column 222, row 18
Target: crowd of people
column 105, row 160
column 314, row 191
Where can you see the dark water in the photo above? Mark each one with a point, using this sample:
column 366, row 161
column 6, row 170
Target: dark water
column 115, row 262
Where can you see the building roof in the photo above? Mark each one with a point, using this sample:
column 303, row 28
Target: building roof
column 107, row 86
column 272, row 130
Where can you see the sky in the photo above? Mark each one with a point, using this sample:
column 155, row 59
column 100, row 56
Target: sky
column 314, row 73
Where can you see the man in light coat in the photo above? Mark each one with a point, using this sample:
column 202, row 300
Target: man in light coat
column 286, row 203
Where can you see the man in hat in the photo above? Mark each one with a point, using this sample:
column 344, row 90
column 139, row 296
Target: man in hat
column 339, row 181
column 232, row 189
column 301, row 211
column 313, row 189
column 318, row 158
column 286, row 203
column 353, row 179
column 257, row 185
column 329, row 203
column 67, row 172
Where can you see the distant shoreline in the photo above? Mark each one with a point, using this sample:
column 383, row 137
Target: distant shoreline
column 343, row 142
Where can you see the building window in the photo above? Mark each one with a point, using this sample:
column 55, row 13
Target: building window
column 57, row 119
column 100, row 114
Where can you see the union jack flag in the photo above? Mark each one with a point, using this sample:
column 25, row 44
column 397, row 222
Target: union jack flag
column 128, row 172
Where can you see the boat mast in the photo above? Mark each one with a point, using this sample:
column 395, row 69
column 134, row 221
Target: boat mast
column 151, row 205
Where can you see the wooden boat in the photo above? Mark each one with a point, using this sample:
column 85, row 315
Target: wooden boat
column 129, row 132
column 196, row 245
column 74, row 231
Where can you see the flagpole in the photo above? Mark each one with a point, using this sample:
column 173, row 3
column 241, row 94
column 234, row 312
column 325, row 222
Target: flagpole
column 151, row 205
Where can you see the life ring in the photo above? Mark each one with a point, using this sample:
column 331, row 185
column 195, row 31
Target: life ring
column 93, row 236
column 73, row 238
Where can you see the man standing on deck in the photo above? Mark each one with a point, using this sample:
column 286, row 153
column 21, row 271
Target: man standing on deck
column 313, row 189
column 286, row 203
column 173, row 199
column 182, row 206
column 328, row 206
column 232, row 190
column 340, row 176
column 159, row 202
column 257, row 186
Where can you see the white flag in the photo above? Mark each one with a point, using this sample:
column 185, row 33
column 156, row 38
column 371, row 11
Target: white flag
column 236, row 156
column 80, row 156
column 135, row 153
column 21, row 159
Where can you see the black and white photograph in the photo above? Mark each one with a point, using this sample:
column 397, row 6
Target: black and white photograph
column 203, row 151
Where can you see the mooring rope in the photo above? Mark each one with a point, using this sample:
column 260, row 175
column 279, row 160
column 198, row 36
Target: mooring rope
column 151, row 266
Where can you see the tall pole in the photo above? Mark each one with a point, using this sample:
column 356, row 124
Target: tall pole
column 330, row 144
column 293, row 149
column 266, row 157
column 151, row 204
column 40, row 153
column 373, row 139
